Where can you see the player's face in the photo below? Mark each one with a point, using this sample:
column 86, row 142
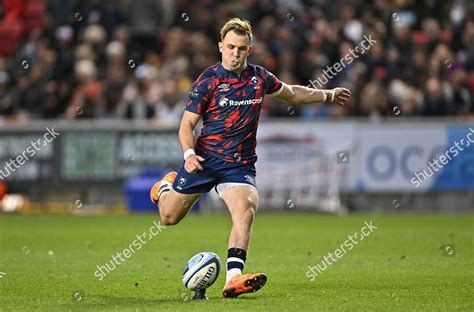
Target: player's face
column 235, row 49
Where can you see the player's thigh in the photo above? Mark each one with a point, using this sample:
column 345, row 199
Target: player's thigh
column 187, row 188
column 178, row 203
column 237, row 187
column 241, row 198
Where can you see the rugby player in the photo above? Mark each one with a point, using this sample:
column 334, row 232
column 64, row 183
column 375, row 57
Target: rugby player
column 228, row 96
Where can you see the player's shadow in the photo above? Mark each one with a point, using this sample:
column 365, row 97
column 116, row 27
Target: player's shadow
column 121, row 301
column 107, row 300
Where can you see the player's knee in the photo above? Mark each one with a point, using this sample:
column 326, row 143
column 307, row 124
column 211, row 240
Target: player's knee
column 252, row 206
column 252, row 203
column 252, row 210
column 167, row 219
column 248, row 214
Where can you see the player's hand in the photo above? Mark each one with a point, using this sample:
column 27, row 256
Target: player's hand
column 341, row 95
column 192, row 165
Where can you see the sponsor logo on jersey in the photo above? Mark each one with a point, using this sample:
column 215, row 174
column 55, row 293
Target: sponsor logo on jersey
column 223, row 102
column 226, row 102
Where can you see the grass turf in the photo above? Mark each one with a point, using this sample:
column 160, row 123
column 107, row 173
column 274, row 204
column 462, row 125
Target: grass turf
column 49, row 263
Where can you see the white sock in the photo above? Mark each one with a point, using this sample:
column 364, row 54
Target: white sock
column 234, row 267
column 231, row 273
column 165, row 187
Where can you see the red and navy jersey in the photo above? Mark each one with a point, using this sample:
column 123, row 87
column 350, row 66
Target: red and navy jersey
column 230, row 106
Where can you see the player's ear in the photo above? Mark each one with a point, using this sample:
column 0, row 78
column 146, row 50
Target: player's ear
column 250, row 49
column 220, row 45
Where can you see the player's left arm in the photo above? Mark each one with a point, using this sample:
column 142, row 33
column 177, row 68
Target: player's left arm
column 296, row 94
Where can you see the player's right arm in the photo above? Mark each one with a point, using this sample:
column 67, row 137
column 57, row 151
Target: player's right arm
column 199, row 99
column 186, row 138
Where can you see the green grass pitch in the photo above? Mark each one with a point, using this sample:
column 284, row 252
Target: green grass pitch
column 48, row 263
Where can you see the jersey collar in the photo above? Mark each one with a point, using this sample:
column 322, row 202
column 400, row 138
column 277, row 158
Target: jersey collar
column 231, row 73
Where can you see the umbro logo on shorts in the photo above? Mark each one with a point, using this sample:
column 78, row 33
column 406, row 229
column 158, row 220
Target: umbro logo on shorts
column 250, row 179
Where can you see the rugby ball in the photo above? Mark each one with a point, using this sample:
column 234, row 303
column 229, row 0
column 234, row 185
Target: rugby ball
column 201, row 271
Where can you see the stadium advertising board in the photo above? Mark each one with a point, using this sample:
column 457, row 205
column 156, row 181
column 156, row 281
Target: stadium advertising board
column 299, row 157
column 113, row 156
column 376, row 157
column 85, row 156
column 27, row 156
column 413, row 158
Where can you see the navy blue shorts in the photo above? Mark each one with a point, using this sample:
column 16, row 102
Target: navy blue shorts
column 217, row 173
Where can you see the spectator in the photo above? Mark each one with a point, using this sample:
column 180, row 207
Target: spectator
column 6, row 100
column 434, row 101
column 86, row 94
column 458, row 94
column 96, row 59
column 32, row 96
column 140, row 95
column 169, row 109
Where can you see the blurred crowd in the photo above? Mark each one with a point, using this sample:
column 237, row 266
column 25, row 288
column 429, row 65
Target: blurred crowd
column 137, row 59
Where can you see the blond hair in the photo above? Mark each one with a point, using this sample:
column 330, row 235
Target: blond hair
column 241, row 27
